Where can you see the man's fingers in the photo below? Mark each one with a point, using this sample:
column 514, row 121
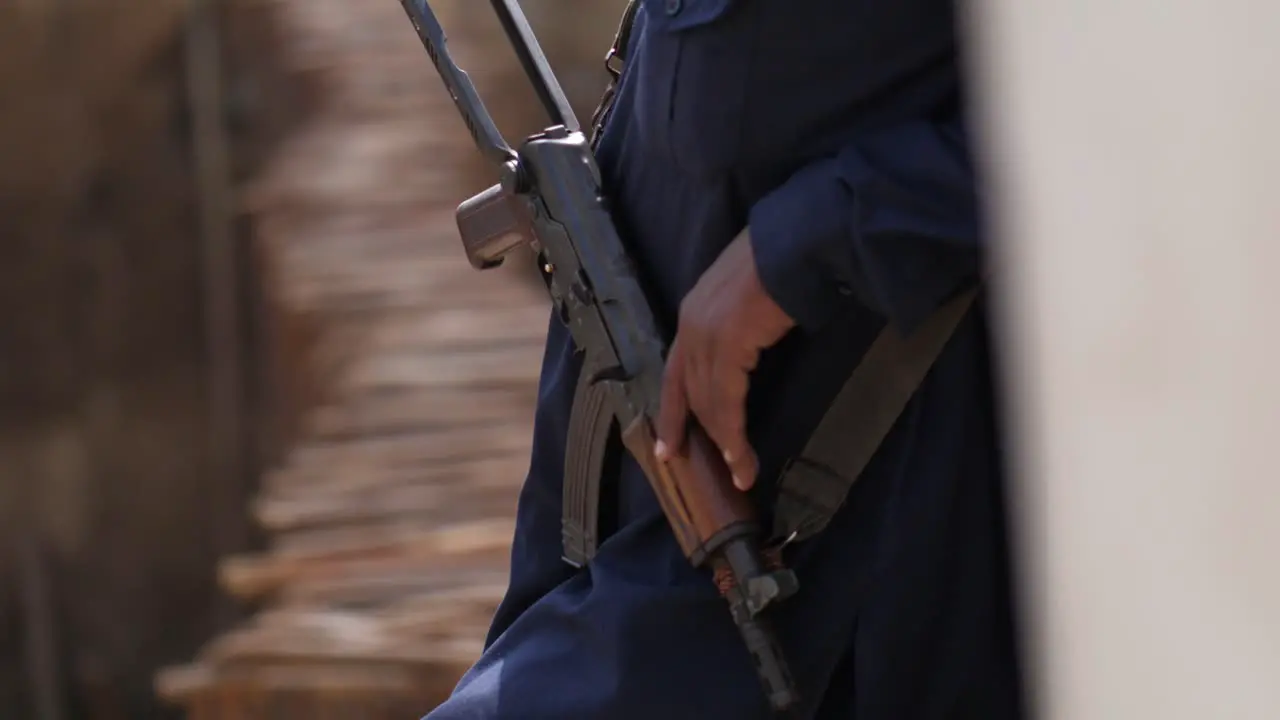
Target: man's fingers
column 726, row 422
column 701, row 383
column 673, row 408
column 699, row 392
column 717, row 392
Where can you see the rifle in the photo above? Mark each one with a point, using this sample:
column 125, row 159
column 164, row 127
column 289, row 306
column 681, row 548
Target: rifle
column 550, row 198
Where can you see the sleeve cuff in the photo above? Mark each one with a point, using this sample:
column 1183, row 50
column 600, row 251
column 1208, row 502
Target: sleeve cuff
column 792, row 231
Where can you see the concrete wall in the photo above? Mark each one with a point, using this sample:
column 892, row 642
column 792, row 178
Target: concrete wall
column 1135, row 160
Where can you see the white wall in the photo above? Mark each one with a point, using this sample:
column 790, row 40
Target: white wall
column 1135, row 151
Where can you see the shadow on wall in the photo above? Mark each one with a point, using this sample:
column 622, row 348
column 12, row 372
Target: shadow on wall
column 110, row 516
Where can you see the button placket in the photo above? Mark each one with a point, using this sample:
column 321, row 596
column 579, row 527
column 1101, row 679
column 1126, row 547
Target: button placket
column 709, row 85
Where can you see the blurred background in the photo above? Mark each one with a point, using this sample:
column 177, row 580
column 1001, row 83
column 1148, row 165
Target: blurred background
column 261, row 426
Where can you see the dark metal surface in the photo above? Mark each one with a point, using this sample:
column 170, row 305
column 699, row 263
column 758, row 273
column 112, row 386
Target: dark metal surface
column 479, row 123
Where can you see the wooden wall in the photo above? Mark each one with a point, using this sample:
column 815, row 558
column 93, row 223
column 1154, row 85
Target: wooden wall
column 112, row 518
column 113, row 514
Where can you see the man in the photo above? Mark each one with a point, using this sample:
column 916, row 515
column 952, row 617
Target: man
column 788, row 174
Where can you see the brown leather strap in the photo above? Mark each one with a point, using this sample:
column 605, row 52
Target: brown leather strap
column 621, row 41
column 613, row 61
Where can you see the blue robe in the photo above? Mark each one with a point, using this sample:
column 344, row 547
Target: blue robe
column 835, row 130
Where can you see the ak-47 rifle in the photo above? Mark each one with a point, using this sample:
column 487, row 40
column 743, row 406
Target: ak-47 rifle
column 550, row 198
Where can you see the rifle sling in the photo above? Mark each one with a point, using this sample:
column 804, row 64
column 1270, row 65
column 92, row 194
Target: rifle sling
column 613, row 65
column 815, row 483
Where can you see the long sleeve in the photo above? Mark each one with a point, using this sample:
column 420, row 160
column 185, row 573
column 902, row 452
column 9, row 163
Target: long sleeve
column 890, row 222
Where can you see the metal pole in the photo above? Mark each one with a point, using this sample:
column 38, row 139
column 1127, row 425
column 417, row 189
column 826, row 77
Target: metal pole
column 219, row 262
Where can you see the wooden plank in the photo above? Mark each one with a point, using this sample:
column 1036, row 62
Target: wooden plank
column 415, row 449
column 434, row 550
column 372, row 586
column 377, row 412
column 420, row 505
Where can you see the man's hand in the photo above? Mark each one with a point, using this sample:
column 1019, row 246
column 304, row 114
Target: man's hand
column 726, row 320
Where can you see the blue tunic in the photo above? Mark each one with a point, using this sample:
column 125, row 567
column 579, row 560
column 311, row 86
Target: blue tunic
column 834, row 129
